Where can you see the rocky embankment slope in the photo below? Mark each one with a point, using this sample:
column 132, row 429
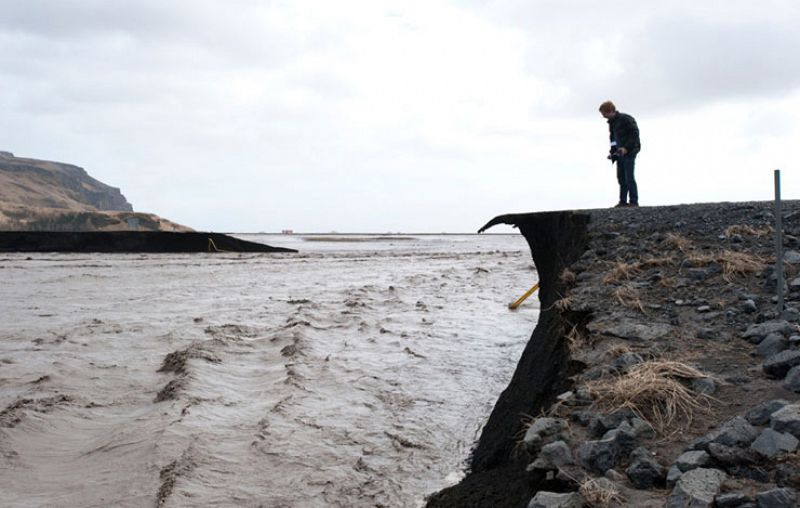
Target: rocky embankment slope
column 37, row 195
column 660, row 372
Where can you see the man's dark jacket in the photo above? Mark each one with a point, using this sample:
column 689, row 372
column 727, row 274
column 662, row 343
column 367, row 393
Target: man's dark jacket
column 622, row 128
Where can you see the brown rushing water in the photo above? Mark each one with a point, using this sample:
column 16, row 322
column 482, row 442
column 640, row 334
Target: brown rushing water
column 356, row 373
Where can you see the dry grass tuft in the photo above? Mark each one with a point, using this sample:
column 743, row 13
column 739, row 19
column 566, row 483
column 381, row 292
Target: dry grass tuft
column 576, row 341
column 619, row 349
column 668, row 282
column 654, row 391
column 739, row 264
column 567, row 277
column 563, row 304
column 677, row 241
column 656, row 261
column 629, row 297
column 734, row 264
column 745, row 230
column 621, row 271
column 791, row 458
column 698, row 260
column 519, row 449
column 601, row 495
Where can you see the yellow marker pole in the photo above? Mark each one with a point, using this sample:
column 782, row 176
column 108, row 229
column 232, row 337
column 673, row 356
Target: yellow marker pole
column 513, row 306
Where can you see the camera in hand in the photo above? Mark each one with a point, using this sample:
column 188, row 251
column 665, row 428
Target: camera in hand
column 612, row 153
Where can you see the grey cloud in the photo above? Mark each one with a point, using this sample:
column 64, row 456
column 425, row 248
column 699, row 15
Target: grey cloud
column 71, row 18
column 682, row 62
column 672, row 55
column 91, row 54
column 144, row 18
column 238, row 33
column 575, row 18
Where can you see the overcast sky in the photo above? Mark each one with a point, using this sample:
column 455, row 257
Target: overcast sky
column 401, row 116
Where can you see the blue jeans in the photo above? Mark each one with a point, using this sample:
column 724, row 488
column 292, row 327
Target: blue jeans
column 627, row 184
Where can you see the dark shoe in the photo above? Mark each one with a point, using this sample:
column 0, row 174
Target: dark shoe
column 634, row 204
column 621, row 205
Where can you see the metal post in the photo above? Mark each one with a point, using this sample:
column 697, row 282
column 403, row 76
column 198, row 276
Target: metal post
column 779, row 240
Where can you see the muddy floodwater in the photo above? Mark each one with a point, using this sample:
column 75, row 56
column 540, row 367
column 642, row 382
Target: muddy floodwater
column 357, row 372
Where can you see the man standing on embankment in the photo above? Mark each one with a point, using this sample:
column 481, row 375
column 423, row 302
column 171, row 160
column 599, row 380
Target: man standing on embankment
column 624, row 135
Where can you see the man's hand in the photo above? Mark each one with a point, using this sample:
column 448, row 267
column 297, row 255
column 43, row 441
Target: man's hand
column 621, row 151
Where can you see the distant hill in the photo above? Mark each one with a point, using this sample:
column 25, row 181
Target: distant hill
column 37, row 195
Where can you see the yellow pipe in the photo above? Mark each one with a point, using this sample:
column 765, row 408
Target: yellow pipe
column 513, row 306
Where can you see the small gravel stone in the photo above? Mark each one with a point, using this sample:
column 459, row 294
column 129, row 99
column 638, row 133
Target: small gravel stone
column 761, row 414
column 602, row 455
column 787, row 419
column 614, row 476
column 673, row 475
column 544, row 430
column 700, row 274
column 707, row 334
column 792, row 379
column 693, row 460
column 566, row 396
column 642, row 429
column 602, row 423
column 627, row 360
column 771, row 443
column 598, row 456
column 737, row 379
column 582, row 417
column 792, row 257
column 756, row 333
column 644, row 471
column 791, row 314
column 787, row 474
column 556, row 500
column 704, row 385
column 777, row 365
column 772, row 344
column 731, row 500
column 729, row 456
column 696, row 488
column 553, row 456
column 735, row 432
column 777, row 498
